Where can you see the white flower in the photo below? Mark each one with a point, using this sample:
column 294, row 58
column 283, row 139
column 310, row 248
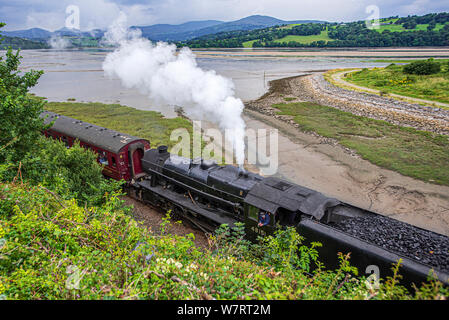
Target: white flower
column 193, row 266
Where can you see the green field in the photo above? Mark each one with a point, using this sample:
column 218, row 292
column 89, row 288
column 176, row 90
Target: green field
column 305, row 39
column 389, row 20
column 150, row 125
column 392, row 80
column 290, row 26
column 248, row 44
column 405, row 60
column 84, row 42
column 400, row 28
column 418, row 154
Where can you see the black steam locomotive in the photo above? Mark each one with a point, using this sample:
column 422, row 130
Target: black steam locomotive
column 209, row 195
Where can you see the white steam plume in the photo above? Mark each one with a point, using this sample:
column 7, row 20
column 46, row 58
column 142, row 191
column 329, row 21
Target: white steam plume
column 175, row 79
column 57, row 42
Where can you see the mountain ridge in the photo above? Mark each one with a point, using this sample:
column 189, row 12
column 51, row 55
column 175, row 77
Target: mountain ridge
column 248, row 23
column 167, row 32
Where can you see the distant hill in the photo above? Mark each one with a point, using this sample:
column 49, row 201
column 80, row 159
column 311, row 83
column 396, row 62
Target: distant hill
column 165, row 32
column 66, row 32
column 33, row 33
column 191, row 30
column 42, row 34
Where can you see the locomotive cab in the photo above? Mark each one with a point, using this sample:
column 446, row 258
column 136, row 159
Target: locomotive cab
column 279, row 217
column 252, row 220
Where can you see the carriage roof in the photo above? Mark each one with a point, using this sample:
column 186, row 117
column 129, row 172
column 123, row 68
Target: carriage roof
column 107, row 139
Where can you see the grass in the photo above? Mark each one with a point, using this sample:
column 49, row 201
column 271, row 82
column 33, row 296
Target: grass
column 392, row 80
column 389, row 20
column 418, row 154
column 404, row 60
column 248, row 44
column 150, row 125
column 400, row 28
column 305, row 39
column 290, row 26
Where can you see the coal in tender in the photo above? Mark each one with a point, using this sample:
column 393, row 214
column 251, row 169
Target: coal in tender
column 404, row 239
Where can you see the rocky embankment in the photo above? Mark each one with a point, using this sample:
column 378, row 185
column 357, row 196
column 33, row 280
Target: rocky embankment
column 314, row 88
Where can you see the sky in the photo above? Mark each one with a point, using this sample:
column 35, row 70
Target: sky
column 56, row 14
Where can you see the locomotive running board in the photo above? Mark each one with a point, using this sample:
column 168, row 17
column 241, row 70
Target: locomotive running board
column 180, row 200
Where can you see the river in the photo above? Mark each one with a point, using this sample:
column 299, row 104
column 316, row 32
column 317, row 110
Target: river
column 78, row 74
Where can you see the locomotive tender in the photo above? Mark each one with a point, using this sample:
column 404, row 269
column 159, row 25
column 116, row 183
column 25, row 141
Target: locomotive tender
column 209, row 195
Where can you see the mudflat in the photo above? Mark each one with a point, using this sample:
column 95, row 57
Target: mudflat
column 341, row 52
column 324, row 165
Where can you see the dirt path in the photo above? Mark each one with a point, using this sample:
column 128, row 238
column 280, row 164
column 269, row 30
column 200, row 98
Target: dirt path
column 315, row 88
column 323, row 165
column 338, row 78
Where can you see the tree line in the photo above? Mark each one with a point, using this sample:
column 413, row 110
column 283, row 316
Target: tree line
column 354, row 34
column 20, row 43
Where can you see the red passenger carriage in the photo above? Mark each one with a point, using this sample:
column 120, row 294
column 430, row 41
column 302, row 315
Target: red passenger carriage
column 120, row 153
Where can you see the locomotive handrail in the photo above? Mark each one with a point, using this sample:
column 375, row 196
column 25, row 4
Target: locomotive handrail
column 232, row 204
column 196, row 181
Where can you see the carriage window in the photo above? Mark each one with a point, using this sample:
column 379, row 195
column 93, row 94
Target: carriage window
column 114, row 164
column 103, row 159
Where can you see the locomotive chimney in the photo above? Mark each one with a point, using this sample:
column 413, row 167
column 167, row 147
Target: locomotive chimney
column 243, row 172
column 162, row 149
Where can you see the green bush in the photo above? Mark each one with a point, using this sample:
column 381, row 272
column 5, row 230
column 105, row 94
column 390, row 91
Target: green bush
column 20, row 125
column 72, row 173
column 25, row 154
column 427, row 91
column 425, row 67
column 52, row 248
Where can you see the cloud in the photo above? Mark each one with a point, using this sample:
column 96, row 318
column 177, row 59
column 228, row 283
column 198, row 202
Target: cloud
column 50, row 14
